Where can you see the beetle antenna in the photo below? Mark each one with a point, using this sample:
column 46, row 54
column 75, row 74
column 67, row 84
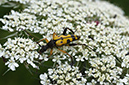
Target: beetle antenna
column 31, row 36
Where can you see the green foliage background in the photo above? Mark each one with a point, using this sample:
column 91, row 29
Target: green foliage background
column 22, row 76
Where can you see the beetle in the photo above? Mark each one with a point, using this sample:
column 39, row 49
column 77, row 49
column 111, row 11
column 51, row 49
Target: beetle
column 59, row 41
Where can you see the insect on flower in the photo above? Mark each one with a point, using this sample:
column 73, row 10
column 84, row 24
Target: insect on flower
column 58, row 41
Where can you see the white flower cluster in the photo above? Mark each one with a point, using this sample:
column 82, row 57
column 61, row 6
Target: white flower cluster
column 23, row 1
column 79, row 17
column 125, row 62
column 100, row 25
column 1, row 50
column 17, row 21
column 104, row 71
column 20, row 50
column 20, row 1
column 64, row 74
column 125, row 80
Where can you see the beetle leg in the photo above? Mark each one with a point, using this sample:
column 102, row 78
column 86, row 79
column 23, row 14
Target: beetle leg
column 65, row 29
column 42, row 40
column 74, row 44
column 54, row 34
column 67, row 54
column 50, row 53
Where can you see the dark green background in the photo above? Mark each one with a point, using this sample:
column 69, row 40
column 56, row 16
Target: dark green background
column 124, row 4
column 22, row 76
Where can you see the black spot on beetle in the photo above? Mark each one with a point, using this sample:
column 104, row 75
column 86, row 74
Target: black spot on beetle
column 61, row 42
column 61, row 38
column 73, row 37
column 68, row 41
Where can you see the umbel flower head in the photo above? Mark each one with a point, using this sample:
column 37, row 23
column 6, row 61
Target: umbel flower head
column 104, row 70
column 20, row 50
column 63, row 74
column 100, row 25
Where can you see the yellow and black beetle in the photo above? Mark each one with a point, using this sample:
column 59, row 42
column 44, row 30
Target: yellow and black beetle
column 59, row 41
